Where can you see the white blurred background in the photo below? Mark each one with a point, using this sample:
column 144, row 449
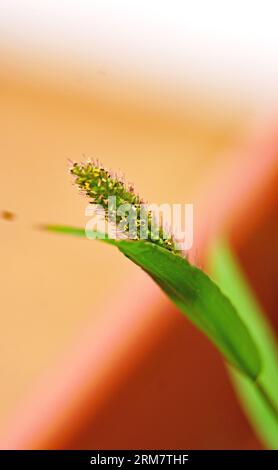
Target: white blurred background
column 215, row 45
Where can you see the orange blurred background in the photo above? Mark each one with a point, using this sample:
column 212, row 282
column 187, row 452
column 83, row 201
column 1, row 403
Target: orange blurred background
column 92, row 353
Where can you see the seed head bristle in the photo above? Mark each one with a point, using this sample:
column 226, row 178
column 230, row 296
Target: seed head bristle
column 98, row 183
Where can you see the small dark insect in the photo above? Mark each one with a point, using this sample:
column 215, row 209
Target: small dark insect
column 8, row 216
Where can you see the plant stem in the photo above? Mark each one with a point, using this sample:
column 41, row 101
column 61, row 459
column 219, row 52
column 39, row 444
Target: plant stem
column 267, row 399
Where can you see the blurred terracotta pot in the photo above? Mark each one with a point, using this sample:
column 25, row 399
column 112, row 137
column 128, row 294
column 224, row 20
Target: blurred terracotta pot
column 149, row 379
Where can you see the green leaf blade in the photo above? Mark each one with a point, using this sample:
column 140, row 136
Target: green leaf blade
column 230, row 277
column 199, row 298
column 196, row 295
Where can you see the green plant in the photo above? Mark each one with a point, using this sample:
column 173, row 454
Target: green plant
column 260, row 398
column 195, row 294
column 99, row 184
